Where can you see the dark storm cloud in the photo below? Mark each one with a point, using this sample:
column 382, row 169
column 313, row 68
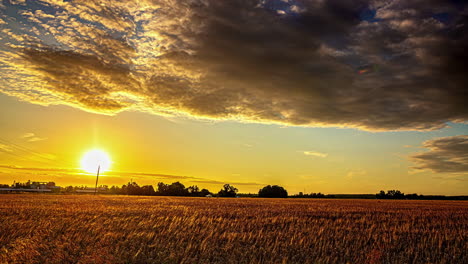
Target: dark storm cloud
column 445, row 155
column 374, row 65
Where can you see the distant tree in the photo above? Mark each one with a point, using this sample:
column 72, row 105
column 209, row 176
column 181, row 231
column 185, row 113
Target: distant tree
column 177, row 189
column 196, row 192
column 147, row 190
column 228, row 191
column 311, row 195
column 395, row 194
column 204, row 193
column 274, row 191
column 19, row 185
column 381, row 195
column 68, row 189
column 391, row 194
column 131, row 188
column 413, row 196
column 163, row 189
column 174, row 189
column 193, row 190
column 317, row 195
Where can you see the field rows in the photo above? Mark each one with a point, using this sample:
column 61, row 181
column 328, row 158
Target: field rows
column 119, row 229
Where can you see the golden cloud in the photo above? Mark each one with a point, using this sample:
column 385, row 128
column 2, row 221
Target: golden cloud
column 305, row 63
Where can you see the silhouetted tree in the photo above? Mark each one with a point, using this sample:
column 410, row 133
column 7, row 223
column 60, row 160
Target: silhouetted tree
column 391, row 194
column 163, row 189
column 132, row 188
column 174, row 189
column 204, row 192
column 381, row 195
column 311, row 195
column 316, row 195
column 177, row 189
column 413, row 196
column 193, row 190
column 228, row 191
column 147, row 190
column 20, row 185
column 395, row 194
column 274, row 191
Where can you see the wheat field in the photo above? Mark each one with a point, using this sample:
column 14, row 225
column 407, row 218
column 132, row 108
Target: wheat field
column 121, row 229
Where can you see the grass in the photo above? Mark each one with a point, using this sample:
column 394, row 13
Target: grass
column 119, row 229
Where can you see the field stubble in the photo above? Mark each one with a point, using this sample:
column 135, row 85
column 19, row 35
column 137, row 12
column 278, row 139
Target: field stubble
column 120, row 229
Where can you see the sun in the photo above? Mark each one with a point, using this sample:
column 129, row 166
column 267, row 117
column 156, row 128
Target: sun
column 95, row 158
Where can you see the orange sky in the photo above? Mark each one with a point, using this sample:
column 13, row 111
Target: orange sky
column 149, row 149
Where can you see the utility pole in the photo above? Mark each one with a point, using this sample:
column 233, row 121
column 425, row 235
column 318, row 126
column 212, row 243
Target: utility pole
column 97, row 178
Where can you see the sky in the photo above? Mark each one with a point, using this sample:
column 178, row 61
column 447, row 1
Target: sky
column 316, row 96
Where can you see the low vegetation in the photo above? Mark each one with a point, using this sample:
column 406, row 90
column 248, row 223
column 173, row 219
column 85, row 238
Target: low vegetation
column 39, row 228
column 179, row 189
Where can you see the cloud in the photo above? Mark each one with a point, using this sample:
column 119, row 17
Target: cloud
column 25, row 153
column 31, row 137
column 452, row 177
column 34, row 139
column 356, row 173
column 315, row 153
column 156, row 175
column 27, row 135
column 372, row 65
column 11, row 167
column 5, row 148
column 444, row 155
column 108, row 173
column 114, row 175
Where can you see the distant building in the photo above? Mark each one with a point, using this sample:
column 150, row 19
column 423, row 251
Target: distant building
column 43, row 185
column 32, row 187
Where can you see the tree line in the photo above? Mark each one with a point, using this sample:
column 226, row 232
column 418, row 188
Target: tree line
column 162, row 189
column 228, row 190
column 179, row 189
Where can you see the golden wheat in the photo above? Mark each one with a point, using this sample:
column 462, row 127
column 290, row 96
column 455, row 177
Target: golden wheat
column 120, row 229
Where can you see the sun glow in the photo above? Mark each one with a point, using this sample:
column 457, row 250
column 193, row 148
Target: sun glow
column 95, row 158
